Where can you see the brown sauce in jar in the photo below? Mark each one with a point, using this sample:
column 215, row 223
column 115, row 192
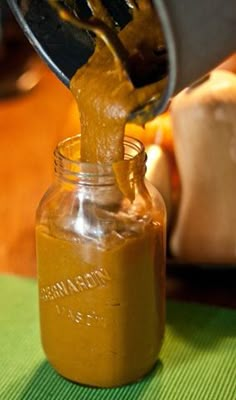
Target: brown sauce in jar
column 102, row 312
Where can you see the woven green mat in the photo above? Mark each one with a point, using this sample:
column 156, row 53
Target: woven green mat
column 198, row 359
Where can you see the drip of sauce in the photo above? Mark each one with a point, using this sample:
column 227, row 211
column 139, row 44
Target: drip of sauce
column 104, row 92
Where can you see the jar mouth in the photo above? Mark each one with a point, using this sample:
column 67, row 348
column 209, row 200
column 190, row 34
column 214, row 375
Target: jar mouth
column 67, row 158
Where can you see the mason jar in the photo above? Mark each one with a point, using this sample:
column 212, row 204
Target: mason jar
column 100, row 238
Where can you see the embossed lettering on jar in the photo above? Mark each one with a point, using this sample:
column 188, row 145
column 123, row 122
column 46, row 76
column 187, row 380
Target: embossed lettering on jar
column 101, row 257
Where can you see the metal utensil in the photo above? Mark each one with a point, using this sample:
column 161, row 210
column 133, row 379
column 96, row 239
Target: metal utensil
column 66, row 47
column 199, row 35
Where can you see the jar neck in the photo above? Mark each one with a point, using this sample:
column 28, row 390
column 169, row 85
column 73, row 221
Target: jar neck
column 69, row 168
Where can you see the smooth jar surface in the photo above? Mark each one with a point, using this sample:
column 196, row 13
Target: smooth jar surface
column 102, row 293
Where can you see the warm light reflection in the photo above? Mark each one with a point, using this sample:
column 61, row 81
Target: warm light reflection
column 28, row 80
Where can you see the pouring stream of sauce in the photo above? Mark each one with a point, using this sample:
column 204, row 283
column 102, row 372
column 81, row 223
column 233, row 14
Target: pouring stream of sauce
column 103, row 90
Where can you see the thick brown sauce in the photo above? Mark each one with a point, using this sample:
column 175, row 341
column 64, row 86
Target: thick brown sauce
column 104, row 93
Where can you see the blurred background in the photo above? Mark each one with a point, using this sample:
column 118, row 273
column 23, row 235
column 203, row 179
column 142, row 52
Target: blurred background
column 35, row 113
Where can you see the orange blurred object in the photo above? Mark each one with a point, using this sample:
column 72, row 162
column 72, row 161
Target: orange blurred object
column 137, row 132
column 158, row 131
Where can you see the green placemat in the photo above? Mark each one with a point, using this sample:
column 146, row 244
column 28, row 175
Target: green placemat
column 198, row 359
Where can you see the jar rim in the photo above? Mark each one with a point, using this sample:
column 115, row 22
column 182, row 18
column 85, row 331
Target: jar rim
column 67, row 158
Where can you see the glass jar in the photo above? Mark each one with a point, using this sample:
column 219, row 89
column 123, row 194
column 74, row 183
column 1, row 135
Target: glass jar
column 101, row 268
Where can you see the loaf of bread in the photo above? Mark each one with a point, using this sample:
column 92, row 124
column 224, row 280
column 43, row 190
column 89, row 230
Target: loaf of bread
column 204, row 128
